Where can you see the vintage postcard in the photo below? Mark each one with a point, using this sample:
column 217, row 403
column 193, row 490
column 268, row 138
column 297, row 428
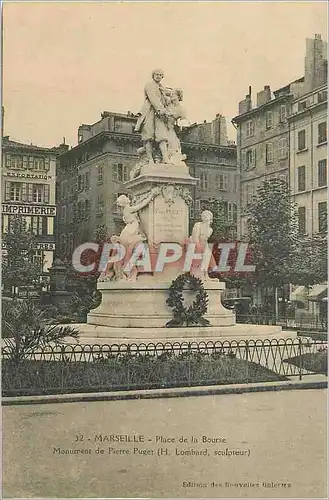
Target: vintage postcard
column 164, row 249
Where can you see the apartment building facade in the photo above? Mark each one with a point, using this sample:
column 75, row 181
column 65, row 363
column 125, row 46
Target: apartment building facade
column 91, row 175
column 28, row 190
column 285, row 136
column 263, row 143
column 308, row 160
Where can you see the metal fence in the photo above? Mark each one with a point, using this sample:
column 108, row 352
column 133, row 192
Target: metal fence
column 86, row 368
column 307, row 323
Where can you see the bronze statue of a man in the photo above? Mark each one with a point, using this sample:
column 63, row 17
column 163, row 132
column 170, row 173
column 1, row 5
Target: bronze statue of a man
column 152, row 122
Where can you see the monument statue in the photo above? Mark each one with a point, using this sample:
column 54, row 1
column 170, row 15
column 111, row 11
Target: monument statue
column 157, row 124
column 175, row 112
column 201, row 233
column 152, row 122
column 156, row 224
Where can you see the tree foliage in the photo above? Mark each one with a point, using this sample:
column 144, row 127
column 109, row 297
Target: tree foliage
column 26, row 328
column 282, row 255
column 272, row 232
column 309, row 265
column 18, row 266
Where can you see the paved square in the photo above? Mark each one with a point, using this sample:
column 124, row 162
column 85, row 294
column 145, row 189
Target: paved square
column 262, row 445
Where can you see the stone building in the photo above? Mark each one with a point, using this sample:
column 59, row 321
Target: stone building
column 28, row 177
column 285, row 135
column 263, row 130
column 308, row 159
column 91, row 175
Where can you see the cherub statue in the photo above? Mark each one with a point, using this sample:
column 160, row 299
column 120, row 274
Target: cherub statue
column 130, row 236
column 201, row 233
column 176, row 112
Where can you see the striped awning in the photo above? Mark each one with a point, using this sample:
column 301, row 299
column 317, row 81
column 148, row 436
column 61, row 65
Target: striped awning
column 318, row 292
column 298, row 294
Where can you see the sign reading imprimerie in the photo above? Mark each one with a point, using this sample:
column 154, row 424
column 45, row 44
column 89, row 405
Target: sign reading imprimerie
column 12, row 209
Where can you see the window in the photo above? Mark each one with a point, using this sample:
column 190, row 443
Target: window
column 322, row 216
column 99, row 174
column 283, row 113
column 322, row 173
column 269, row 152
column 222, row 182
column 38, row 258
column 301, row 183
column 100, row 203
column 87, row 180
column 250, row 128
column 204, row 181
column 191, row 209
column 301, row 140
column 8, row 160
column 80, row 210
column 231, row 212
column 322, row 132
column 301, row 220
column 16, row 191
column 39, row 225
column 249, row 192
column 123, row 172
column 235, row 184
column 38, row 193
column 322, row 96
column 25, row 162
column 120, row 172
column 282, row 148
column 197, row 207
column 81, row 181
column 39, row 164
column 301, row 106
column 250, row 159
column 11, row 220
column 16, row 162
column 87, row 209
column 269, row 119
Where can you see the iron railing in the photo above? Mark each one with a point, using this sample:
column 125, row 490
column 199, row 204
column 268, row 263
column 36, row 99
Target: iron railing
column 307, row 323
column 86, row 368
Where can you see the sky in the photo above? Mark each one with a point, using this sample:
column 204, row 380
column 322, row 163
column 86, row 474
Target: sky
column 64, row 62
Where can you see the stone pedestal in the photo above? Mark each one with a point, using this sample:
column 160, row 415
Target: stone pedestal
column 138, row 309
column 138, row 305
column 166, row 218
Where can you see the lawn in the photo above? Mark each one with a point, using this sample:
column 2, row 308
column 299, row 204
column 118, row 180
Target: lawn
column 316, row 362
column 135, row 372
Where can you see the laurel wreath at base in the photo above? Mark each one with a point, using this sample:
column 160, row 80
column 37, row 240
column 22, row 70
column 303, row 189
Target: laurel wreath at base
column 192, row 315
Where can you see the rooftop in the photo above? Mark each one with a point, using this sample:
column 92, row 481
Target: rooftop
column 9, row 143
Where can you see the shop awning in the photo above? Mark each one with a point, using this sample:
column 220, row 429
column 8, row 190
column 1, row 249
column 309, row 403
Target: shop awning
column 298, row 294
column 318, row 292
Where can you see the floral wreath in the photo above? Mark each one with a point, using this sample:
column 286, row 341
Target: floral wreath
column 192, row 315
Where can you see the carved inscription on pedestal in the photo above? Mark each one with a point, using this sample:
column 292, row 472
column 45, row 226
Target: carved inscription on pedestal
column 170, row 221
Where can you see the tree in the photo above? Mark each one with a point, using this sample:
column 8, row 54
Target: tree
column 18, row 266
column 27, row 328
column 310, row 259
column 273, row 233
column 225, row 231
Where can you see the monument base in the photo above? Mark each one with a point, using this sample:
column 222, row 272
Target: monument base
column 95, row 334
column 143, row 305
